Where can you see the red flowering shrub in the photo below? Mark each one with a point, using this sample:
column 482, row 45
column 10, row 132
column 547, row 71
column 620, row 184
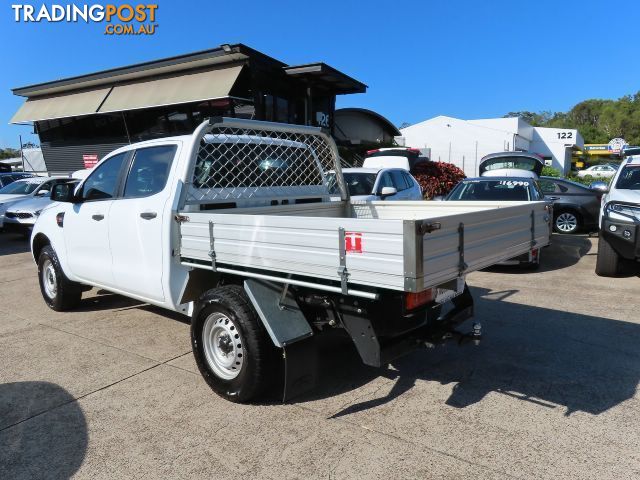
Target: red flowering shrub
column 437, row 178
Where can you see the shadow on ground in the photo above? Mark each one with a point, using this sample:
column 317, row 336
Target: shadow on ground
column 564, row 251
column 548, row 357
column 11, row 243
column 43, row 431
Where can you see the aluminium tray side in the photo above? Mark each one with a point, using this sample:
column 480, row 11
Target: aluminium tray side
column 392, row 253
column 307, row 246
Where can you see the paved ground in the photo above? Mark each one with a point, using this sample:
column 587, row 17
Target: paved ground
column 111, row 391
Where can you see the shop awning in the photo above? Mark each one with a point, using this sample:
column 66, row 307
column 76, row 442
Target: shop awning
column 60, row 106
column 183, row 88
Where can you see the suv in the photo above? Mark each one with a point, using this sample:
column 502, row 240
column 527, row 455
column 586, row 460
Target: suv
column 620, row 218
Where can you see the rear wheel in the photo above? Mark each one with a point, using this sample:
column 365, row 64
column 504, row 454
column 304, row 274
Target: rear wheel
column 567, row 222
column 232, row 348
column 608, row 261
column 58, row 291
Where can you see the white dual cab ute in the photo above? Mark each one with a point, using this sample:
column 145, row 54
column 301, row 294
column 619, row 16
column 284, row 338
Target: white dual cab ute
column 234, row 226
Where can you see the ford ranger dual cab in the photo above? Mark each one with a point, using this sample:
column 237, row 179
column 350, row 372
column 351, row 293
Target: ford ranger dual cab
column 235, row 227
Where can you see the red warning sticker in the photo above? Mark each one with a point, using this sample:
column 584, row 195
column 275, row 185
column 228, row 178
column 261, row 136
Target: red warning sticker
column 353, row 242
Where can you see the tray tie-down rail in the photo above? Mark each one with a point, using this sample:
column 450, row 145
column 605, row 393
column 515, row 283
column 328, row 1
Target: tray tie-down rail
column 343, row 273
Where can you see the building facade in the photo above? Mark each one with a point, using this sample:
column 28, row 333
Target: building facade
column 465, row 142
column 81, row 119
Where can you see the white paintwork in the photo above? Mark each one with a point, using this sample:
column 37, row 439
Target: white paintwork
column 619, row 194
column 142, row 258
column 387, row 161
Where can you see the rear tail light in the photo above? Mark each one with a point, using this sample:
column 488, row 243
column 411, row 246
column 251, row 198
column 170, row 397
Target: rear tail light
column 415, row 300
column 371, row 152
column 414, row 150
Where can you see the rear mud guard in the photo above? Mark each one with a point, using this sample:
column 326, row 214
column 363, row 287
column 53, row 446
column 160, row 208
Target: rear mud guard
column 290, row 331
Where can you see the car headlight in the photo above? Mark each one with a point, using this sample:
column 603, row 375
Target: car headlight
column 621, row 211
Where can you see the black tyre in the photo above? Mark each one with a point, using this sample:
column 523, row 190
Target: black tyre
column 233, row 350
column 608, row 261
column 58, row 291
column 567, row 221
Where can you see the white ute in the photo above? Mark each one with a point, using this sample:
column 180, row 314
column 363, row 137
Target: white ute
column 235, row 227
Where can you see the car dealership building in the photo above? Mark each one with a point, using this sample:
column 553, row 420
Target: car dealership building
column 81, row 119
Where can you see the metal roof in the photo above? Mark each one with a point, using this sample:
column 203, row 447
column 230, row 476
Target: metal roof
column 225, row 53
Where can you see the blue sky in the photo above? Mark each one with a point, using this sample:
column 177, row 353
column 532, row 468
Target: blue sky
column 467, row 59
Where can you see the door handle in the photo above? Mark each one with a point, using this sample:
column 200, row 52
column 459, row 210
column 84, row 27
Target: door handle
column 97, row 217
column 553, row 199
column 148, row 215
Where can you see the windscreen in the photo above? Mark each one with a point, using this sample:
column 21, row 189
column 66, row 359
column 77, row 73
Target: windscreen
column 629, row 178
column 492, row 190
column 20, row 187
column 515, row 162
column 358, row 183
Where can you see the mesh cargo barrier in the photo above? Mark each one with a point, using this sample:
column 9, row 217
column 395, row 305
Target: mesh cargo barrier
column 244, row 162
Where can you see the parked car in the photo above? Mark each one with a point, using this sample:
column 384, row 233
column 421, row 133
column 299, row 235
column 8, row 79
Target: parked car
column 22, row 214
column 503, row 189
column 511, row 164
column 575, row 206
column 620, row 220
column 25, row 188
column 379, row 184
column 605, row 171
column 7, row 178
column 402, row 157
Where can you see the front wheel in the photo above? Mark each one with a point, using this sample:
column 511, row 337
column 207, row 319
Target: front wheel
column 232, row 348
column 608, row 261
column 58, row 291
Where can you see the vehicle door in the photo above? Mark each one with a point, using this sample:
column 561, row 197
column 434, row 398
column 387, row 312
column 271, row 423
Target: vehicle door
column 414, row 192
column 86, row 223
column 400, row 185
column 384, row 180
column 136, row 221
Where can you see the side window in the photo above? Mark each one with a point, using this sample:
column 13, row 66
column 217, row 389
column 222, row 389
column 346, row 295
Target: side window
column 149, row 171
column 547, row 186
column 398, row 180
column 385, row 181
column 408, row 179
column 102, row 184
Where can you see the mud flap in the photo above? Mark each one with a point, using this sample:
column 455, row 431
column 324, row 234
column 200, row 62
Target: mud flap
column 300, row 368
column 290, row 331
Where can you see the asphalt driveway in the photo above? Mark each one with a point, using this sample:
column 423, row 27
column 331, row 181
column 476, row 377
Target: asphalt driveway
column 111, row 390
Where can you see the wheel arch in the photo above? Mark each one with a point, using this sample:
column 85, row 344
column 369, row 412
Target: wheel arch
column 39, row 242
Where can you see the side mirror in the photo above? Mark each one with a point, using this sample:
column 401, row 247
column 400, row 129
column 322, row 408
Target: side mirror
column 388, row 191
column 63, row 192
column 43, row 193
column 599, row 186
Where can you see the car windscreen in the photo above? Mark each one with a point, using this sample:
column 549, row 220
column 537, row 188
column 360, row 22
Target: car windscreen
column 629, row 178
column 358, row 183
column 490, row 190
column 20, row 187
